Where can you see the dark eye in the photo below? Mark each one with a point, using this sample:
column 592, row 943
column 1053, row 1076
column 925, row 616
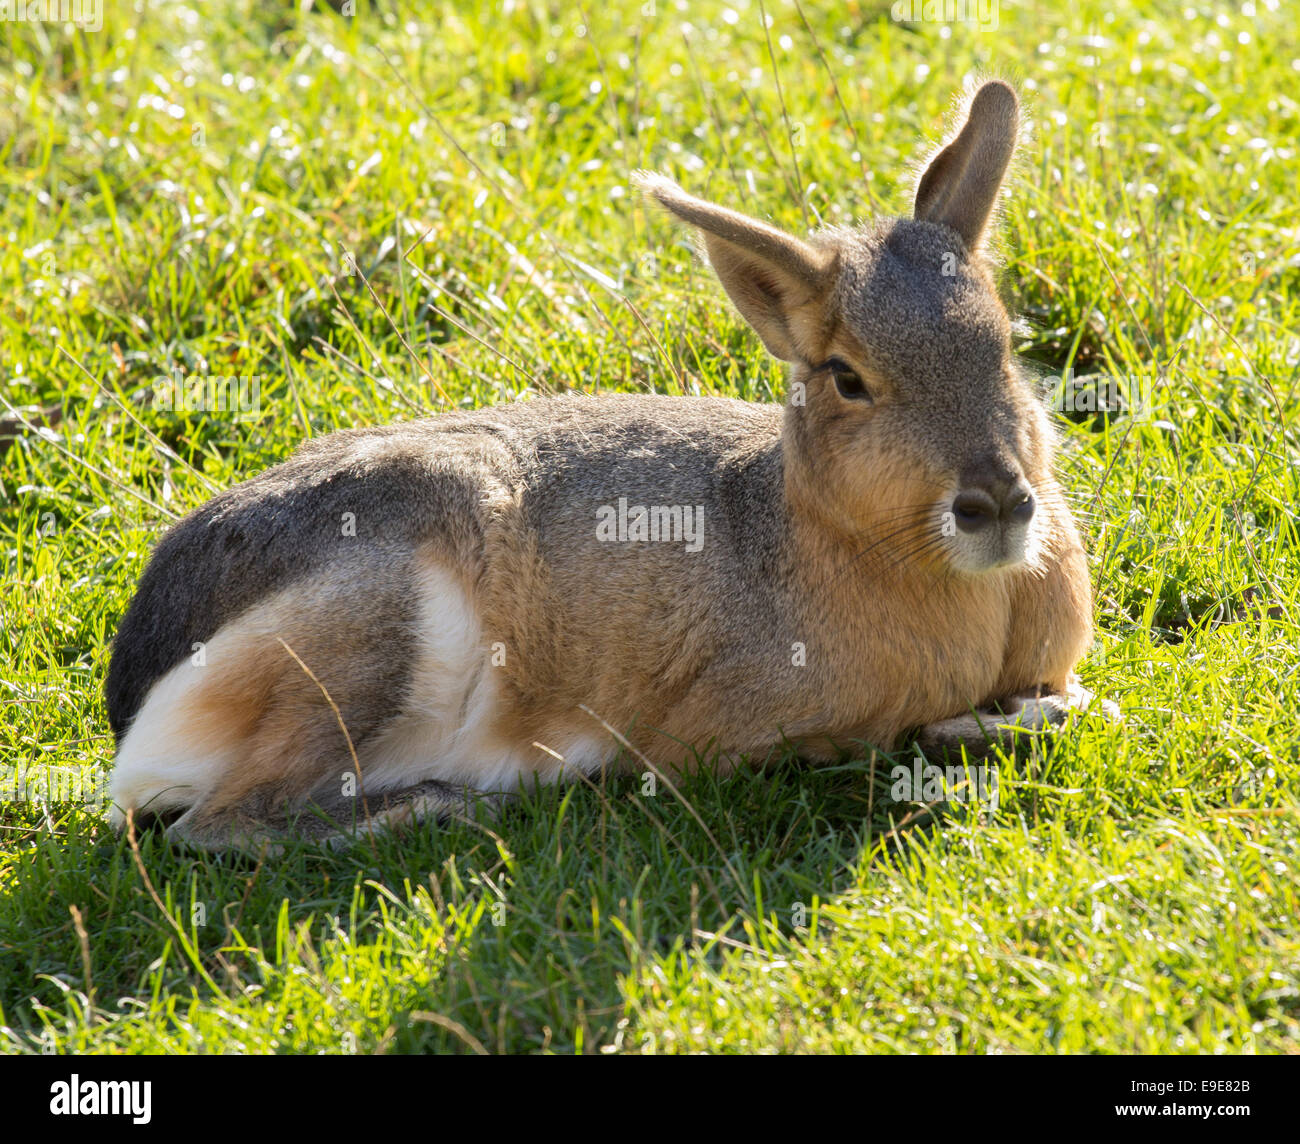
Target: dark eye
column 847, row 382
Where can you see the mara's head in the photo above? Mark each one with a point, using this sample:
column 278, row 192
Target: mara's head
column 908, row 426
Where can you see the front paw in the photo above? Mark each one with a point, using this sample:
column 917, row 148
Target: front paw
column 1015, row 720
column 1079, row 698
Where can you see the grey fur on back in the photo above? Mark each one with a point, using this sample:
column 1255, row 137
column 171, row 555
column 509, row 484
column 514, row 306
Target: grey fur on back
column 554, row 462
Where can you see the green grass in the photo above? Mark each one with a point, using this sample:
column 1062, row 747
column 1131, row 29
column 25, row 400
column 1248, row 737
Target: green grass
column 179, row 191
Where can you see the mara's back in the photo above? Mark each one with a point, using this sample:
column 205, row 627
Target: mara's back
column 578, row 478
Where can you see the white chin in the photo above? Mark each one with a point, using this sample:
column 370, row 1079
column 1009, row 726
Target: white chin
column 978, row 554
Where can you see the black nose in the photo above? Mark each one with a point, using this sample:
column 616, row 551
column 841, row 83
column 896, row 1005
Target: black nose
column 975, row 509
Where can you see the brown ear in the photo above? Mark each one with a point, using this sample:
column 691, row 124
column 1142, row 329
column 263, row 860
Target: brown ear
column 768, row 274
column 960, row 186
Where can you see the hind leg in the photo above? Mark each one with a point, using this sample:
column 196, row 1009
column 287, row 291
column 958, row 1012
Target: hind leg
column 267, row 711
column 382, row 694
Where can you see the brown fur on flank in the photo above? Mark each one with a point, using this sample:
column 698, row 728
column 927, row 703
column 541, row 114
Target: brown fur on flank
column 889, row 550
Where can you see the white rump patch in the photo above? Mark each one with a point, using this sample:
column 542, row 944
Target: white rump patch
column 164, row 762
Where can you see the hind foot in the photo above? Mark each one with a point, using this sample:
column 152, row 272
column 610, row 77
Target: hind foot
column 336, row 821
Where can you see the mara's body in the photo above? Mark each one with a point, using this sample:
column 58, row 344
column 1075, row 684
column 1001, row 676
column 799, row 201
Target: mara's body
column 477, row 599
column 463, row 587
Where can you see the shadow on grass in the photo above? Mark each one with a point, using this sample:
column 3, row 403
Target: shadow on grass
column 512, row 935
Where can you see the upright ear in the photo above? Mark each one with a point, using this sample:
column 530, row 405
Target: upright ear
column 776, row 281
column 960, row 186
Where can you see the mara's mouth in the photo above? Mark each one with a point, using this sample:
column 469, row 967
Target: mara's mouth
column 999, row 546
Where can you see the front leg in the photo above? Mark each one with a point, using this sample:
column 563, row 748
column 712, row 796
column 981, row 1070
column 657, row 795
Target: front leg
column 1051, row 628
column 1051, row 620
